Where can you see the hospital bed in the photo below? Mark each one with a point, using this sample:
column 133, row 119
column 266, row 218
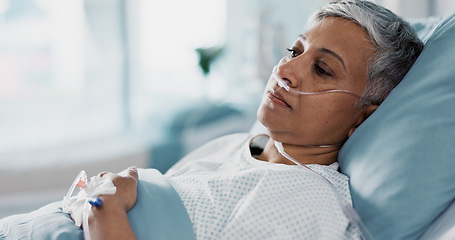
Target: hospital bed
column 400, row 162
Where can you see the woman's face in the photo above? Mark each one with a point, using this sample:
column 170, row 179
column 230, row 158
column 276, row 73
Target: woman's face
column 334, row 54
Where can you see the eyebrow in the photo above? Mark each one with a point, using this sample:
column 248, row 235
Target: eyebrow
column 325, row 50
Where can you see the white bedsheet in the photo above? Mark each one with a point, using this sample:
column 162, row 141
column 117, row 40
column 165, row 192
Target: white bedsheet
column 231, row 195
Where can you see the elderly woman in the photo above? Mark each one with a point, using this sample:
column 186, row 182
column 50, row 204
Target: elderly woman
column 237, row 187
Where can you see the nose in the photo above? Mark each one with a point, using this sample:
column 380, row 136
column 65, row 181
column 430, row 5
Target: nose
column 290, row 71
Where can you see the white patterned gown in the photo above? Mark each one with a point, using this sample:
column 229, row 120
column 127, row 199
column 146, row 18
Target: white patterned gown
column 229, row 194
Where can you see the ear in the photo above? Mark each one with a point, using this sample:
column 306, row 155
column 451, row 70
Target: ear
column 366, row 112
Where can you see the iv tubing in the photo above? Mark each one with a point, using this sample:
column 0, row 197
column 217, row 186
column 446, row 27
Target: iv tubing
column 81, row 182
column 82, row 176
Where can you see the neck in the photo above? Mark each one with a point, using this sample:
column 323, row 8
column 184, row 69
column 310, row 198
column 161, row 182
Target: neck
column 303, row 154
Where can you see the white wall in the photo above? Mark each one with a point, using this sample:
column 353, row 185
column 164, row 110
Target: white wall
column 444, row 6
column 418, row 8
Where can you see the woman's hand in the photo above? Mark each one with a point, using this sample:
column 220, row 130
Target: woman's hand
column 110, row 221
column 126, row 193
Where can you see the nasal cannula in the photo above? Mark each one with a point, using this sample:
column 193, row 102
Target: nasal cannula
column 350, row 213
column 285, row 84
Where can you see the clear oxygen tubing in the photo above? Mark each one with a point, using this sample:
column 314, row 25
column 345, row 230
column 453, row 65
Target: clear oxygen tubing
column 350, row 213
column 285, row 84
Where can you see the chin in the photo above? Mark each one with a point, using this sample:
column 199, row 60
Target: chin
column 272, row 124
column 262, row 116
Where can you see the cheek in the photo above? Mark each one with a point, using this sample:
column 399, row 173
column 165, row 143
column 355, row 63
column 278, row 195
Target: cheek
column 341, row 118
column 328, row 115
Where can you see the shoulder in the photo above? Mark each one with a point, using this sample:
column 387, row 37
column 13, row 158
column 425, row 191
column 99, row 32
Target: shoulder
column 231, row 141
column 338, row 180
column 214, row 150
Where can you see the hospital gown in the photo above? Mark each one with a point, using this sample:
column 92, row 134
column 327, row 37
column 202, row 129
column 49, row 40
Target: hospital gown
column 229, row 194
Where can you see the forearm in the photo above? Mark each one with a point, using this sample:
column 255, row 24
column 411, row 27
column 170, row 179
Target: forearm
column 109, row 222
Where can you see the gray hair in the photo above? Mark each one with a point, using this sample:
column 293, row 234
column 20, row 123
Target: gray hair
column 397, row 44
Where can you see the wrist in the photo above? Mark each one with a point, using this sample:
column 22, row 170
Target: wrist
column 104, row 219
column 111, row 207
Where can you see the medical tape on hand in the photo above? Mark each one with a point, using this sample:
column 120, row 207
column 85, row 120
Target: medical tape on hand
column 79, row 205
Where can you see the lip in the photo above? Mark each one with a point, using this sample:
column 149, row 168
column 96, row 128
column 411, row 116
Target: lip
column 278, row 99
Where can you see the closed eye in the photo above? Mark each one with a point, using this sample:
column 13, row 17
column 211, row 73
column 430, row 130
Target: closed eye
column 320, row 71
column 323, row 71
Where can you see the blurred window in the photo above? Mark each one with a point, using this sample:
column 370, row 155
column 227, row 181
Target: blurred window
column 60, row 72
column 166, row 75
column 76, row 71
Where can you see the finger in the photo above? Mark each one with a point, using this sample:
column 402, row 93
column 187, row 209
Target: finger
column 132, row 171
